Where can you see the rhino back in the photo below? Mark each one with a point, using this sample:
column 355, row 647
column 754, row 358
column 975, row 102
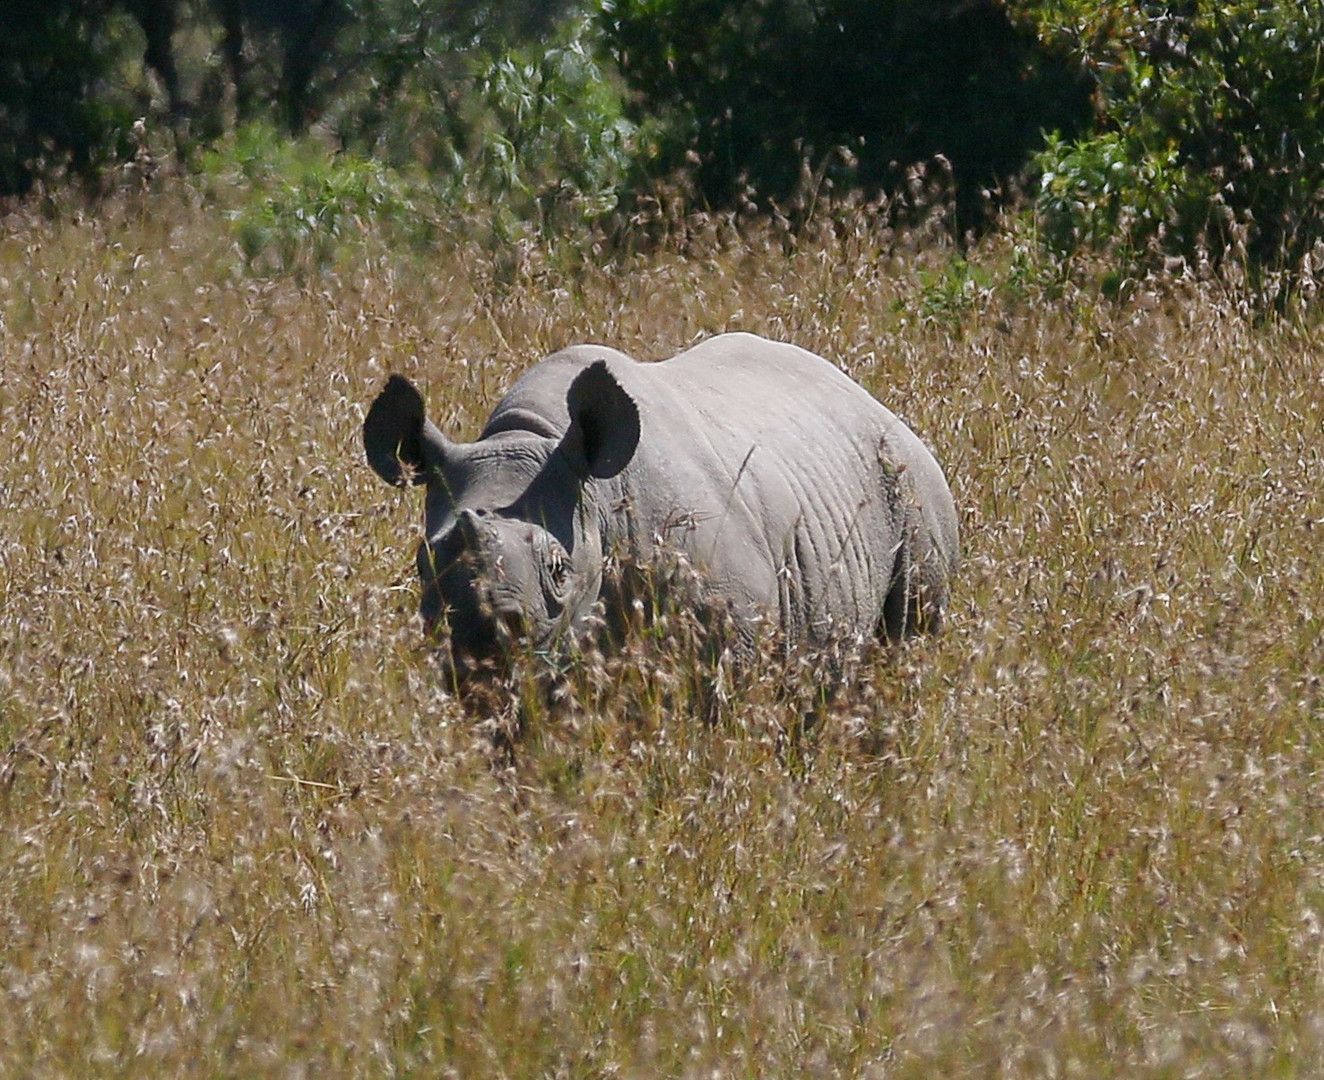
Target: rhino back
column 787, row 485
column 801, row 489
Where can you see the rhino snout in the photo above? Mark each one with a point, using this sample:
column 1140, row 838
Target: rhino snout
column 493, row 582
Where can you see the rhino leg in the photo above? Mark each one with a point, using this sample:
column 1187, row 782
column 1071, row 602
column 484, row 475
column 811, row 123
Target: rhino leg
column 899, row 605
column 918, row 595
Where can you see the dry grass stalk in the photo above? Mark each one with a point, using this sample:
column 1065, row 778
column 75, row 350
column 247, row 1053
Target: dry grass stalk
column 245, row 832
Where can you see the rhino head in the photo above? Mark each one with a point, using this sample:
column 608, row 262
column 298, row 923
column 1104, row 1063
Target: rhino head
column 513, row 546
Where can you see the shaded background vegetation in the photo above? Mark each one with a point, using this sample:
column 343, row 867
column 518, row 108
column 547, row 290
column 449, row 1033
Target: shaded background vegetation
column 1173, row 130
column 859, row 91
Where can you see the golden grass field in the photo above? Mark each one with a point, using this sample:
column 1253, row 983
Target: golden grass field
column 245, row 833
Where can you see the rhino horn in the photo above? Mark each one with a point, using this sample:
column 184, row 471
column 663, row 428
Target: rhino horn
column 467, row 527
column 400, row 441
column 604, row 423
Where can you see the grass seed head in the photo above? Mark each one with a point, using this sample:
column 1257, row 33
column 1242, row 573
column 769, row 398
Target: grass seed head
column 246, row 828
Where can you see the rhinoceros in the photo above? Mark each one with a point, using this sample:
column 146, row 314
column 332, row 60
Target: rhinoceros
column 798, row 500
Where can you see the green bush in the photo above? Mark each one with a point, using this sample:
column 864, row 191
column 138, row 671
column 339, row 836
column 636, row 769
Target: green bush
column 518, row 134
column 1210, row 147
column 295, row 207
column 1097, row 189
column 506, row 109
column 540, row 146
column 551, row 144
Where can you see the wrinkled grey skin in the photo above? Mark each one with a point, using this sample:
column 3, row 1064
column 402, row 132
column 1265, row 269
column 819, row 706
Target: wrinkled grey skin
column 791, row 492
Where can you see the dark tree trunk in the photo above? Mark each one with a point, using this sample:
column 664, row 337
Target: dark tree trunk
column 305, row 43
column 231, row 13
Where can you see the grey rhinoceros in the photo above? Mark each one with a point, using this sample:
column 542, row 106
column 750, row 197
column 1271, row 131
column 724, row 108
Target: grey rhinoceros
column 789, row 490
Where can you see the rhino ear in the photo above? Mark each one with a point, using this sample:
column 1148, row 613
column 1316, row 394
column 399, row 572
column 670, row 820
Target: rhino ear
column 399, row 439
column 604, row 423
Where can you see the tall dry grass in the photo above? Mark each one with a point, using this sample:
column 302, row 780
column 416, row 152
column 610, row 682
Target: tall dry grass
column 244, row 832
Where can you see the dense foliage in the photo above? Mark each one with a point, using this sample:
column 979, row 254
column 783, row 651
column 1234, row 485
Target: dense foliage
column 849, row 91
column 54, row 60
column 392, row 78
column 1167, row 133
column 1210, row 143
